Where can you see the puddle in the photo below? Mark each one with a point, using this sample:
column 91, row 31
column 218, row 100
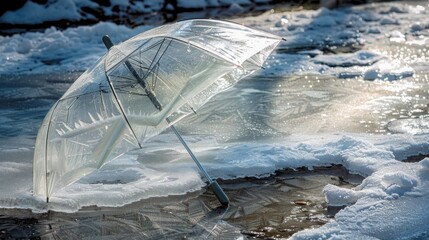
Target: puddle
column 416, row 158
column 289, row 201
column 272, row 207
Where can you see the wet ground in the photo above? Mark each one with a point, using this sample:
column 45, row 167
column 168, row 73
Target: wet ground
column 265, row 208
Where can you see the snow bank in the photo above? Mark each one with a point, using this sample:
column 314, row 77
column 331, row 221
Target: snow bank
column 36, row 13
column 389, row 204
column 32, row 12
column 413, row 126
column 74, row 49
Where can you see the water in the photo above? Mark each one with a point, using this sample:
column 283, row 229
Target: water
column 276, row 206
column 277, row 107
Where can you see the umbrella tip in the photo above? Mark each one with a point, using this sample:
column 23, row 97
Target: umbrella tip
column 107, row 41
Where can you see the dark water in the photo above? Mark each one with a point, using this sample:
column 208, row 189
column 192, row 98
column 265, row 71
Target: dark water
column 272, row 207
column 157, row 18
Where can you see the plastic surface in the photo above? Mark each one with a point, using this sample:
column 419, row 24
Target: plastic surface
column 108, row 111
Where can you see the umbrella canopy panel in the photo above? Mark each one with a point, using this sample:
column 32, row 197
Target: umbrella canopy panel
column 126, row 98
column 79, row 134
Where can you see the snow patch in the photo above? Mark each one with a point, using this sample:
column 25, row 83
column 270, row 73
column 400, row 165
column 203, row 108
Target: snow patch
column 73, row 49
column 413, row 126
column 32, row 13
column 359, row 58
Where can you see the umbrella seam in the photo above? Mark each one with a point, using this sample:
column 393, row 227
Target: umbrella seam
column 46, row 151
column 120, row 106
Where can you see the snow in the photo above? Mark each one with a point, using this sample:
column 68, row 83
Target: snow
column 76, row 10
column 413, row 126
column 391, row 203
column 359, row 58
column 384, row 206
column 32, row 12
column 73, row 49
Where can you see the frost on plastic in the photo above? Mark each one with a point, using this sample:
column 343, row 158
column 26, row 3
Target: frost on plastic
column 107, row 111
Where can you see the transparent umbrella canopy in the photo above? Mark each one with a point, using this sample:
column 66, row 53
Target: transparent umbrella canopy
column 138, row 89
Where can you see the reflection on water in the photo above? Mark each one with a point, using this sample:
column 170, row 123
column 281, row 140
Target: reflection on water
column 276, row 206
column 272, row 107
column 256, row 108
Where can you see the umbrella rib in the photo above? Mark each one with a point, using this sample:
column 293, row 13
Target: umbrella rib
column 68, row 108
column 74, row 96
column 145, row 50
column 46, row 152
column 157, row 62
column 154, row 78
column 108, row 43
column 125, row 77
column 150, row 66
column 137, row 48
column 133, row 93
column 150, row 47
column 156, row 54
column 141, row 81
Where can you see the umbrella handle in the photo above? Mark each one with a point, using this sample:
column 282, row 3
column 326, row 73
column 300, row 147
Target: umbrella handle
column 220, row 194
column 216, row 188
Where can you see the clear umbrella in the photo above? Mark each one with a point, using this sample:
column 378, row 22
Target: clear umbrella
column 138, row 89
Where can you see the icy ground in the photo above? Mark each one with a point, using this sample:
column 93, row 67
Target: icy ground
column 349, row 87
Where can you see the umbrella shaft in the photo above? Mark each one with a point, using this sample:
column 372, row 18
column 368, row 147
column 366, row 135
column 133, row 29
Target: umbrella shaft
column 190, row 153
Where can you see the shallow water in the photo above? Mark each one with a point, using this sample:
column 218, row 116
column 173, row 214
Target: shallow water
column 276, row 206
column 275, row 107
